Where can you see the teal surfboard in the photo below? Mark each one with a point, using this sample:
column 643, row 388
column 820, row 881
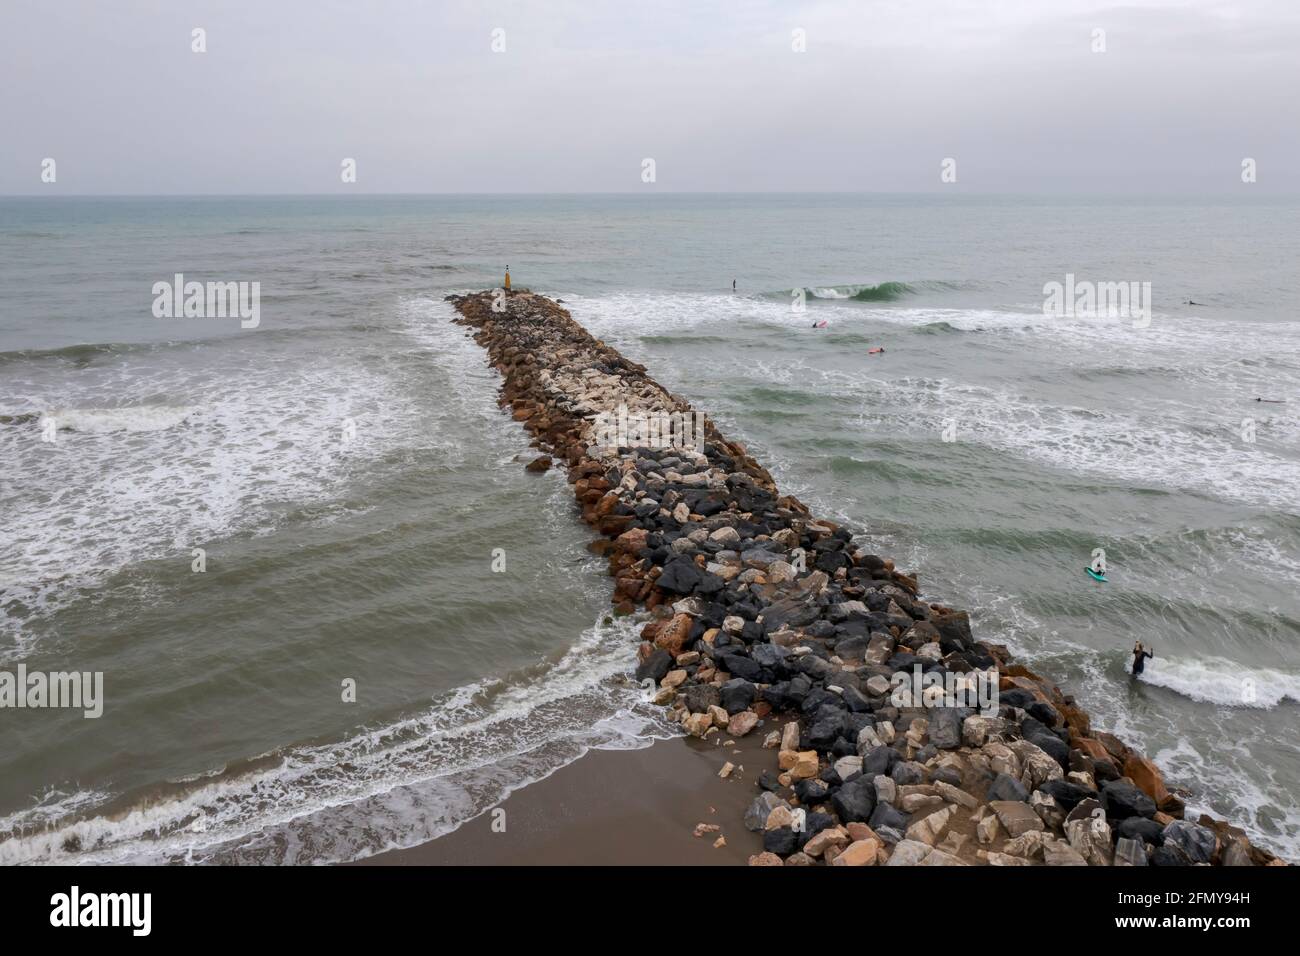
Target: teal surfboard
column 1095, row 575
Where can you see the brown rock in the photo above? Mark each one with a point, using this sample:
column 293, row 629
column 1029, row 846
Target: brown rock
column 805, row 765
column 1146, row 776
column 831, row 836
column 861, row 853
column 540, row 464
column 742, row 723
column 780, row 816
column 765, row 859
column 673, row 679
column 1117, row 749
column 672, row 634
column 1016, row 817
column 790, row 737
column 929, row 829
column 860, row 831
column 1097, row 752
column 697, row 725
column 632, row 541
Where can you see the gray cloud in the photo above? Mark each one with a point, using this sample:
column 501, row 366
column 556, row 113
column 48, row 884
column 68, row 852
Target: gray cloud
column 585, row 90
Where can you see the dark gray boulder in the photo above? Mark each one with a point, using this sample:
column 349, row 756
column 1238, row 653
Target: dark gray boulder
column 1198, row 842
column 700, row 697
column 855, row 801
column 736, row 695
column 781, row 840
column 1065, row 793
column 1141, row 829
column 887, row 815
column 1006, row 787
column 1122, row 799
column 655, row 666
column 945, row 727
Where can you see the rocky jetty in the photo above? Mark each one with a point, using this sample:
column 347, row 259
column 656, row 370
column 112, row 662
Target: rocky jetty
column 763, row 617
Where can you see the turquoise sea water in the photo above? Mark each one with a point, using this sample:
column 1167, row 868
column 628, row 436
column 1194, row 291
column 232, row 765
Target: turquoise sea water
column 345, row 470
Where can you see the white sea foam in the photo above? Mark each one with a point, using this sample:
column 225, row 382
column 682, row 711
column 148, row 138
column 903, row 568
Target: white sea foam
column 1232, row 782
column 1244, row 356
column 1167, row 444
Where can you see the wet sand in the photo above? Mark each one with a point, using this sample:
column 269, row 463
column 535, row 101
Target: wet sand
column 617, row 807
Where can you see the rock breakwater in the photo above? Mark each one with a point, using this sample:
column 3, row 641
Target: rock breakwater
column 898, row 738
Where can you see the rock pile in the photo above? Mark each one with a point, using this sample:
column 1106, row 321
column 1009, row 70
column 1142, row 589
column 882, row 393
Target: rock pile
column 761, row 614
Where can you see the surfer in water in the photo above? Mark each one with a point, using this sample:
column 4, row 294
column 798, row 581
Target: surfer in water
column 878, row 350
column 1140, row 655
column 819, row 325
column 733, row 285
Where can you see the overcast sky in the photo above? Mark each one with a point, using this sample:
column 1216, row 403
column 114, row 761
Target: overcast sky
column 586, row 89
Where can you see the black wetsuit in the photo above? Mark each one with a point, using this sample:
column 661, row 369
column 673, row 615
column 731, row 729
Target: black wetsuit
column 1139, row 661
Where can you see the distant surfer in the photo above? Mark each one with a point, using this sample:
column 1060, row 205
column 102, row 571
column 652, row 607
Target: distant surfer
column 876, row 351
column 733, row 285
column 1272, row 401
column 819, row 325
column 507, row 278
column 1140, row 655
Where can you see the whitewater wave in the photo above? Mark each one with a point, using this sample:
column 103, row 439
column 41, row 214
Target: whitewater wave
column 890, row 291
column 882, row 292
column 123, row 485
column 1215, row 680
column 79, row 354
column 1166, row 445
column 104, row 421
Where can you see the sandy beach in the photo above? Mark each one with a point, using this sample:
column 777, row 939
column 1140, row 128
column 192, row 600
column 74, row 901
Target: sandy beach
column 615, row 808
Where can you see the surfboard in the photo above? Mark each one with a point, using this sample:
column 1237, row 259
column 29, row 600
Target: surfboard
column 1095, row 575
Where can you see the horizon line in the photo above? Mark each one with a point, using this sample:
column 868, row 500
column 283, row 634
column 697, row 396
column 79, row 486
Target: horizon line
column 1227, row 192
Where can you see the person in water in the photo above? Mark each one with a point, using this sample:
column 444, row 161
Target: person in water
column 733, row 285
column 507, row 278
column 1140, row 655
column 876, row 351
